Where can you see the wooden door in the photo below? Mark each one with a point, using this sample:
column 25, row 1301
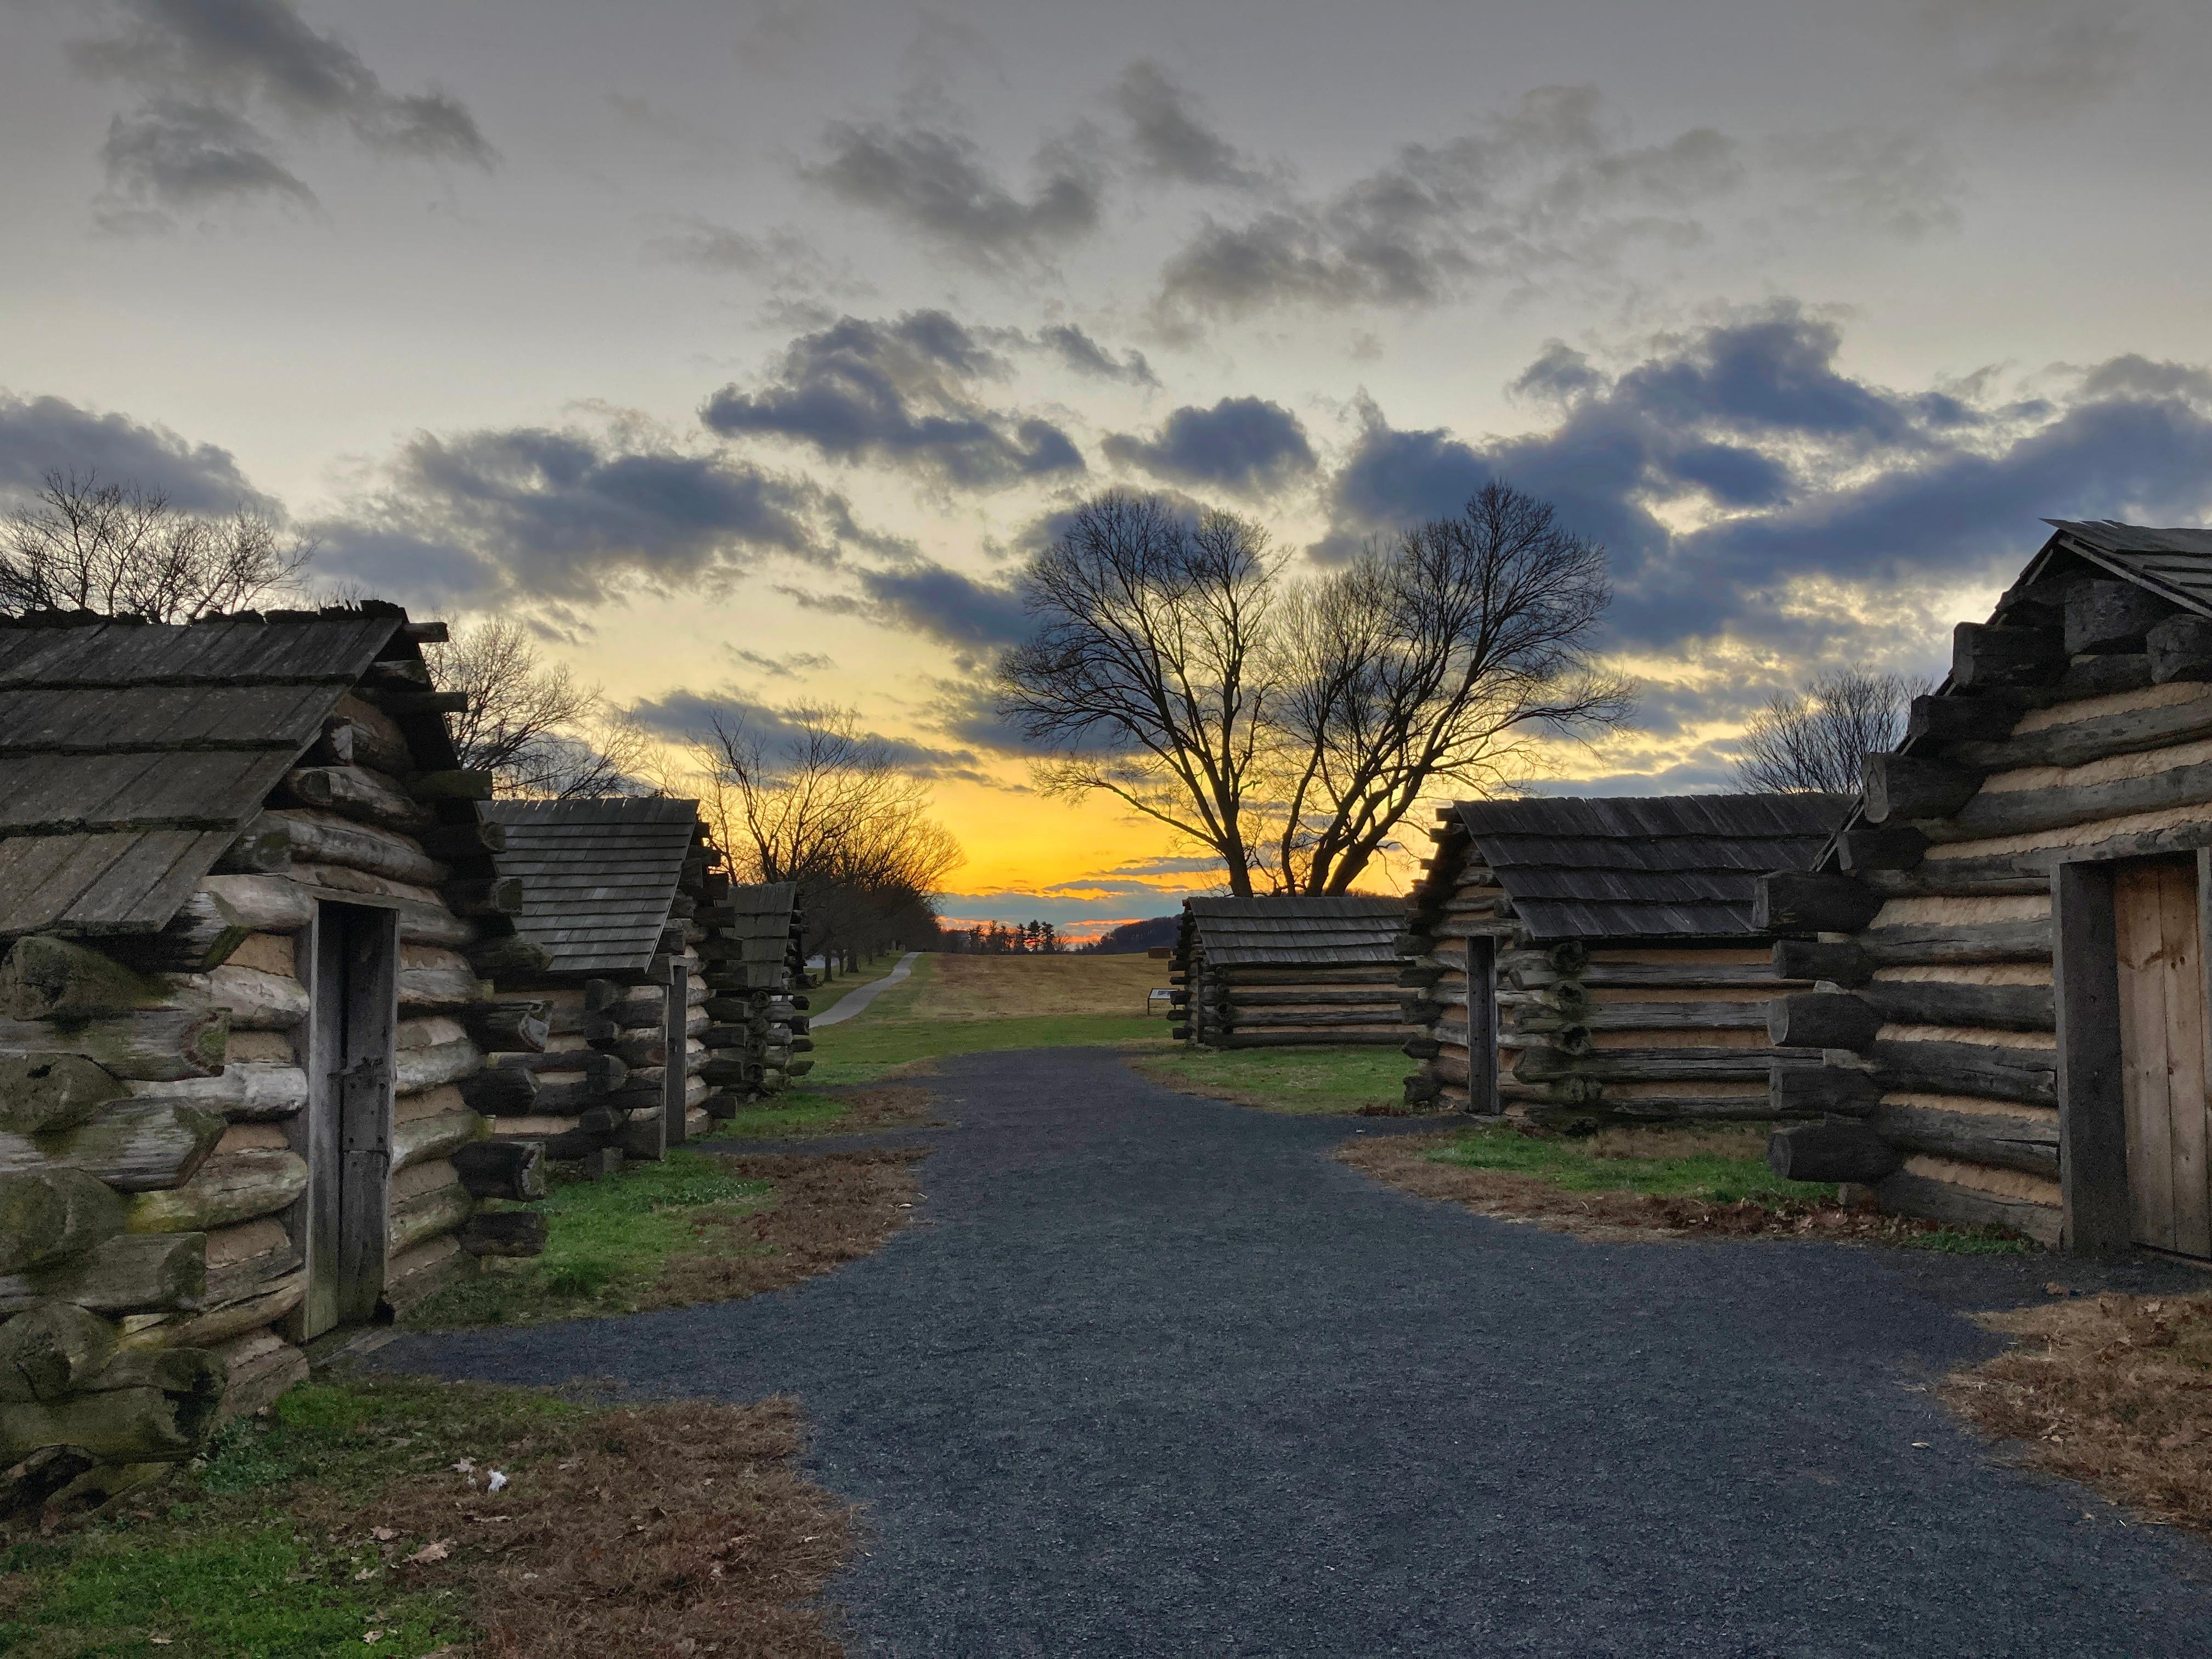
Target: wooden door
column 676, row 1081
column 2160, row 950
column 1482, row 1026
column 342, row 1221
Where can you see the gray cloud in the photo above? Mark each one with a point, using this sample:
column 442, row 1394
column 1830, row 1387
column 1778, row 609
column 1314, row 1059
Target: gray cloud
column 2035, row 56
column 694, row 714
column 898, row 392
column 937, row 183
column 39, row 435
column 916, row 596
column 529, row 515
column 1800, row 471
column 1898, row 184
column 790, row 665
column 1245, row 444
column 1077, row 351
column 786, row 260
column 203, row 65
column 1171, row 141
column 1552, row 185
column 192, row 155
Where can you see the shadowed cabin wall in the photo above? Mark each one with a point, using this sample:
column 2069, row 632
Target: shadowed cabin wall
column 1286, row 973
column 182, row 1103
column 1631, row 1031
column 1958, row 1072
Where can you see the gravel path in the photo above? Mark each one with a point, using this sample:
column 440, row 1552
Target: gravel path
column 855, row 1002
column 1158, row 1376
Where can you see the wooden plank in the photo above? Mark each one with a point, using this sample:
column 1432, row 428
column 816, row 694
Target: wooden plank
column 365, row 1094
column 674, row 1023
column 2182, row 970
column 2140, row 941
column 2093, row 1162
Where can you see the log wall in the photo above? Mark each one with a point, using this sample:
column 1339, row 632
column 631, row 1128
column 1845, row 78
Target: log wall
column 1941, row 1009
column 147, row 1163
column 1632, row 1031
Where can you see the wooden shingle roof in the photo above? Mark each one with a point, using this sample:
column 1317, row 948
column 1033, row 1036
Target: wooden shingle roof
column 2175, row 563
column 132, row 754
column 1293, row 931
column 1644, row 866
column 599, row 876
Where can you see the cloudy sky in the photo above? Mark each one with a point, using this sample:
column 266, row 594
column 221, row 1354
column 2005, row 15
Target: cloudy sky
column 743, row 347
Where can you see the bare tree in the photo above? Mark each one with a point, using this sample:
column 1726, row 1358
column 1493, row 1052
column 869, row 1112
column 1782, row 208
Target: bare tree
column 1146, row 667
column 814, row 800
column 116, row 550
column 532, row 726
column 1290, row 727
column 1438, row 658
column 1813, row 739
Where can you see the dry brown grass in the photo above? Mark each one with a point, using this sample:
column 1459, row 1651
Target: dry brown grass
column 1402, row 1162
column 828, row 1208
column 639, row 1533
column 1021, row 987
column 2114, row 1391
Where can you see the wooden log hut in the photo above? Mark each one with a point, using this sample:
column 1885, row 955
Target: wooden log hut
column 1592, row 959
column 1280, row 972
column 757, row 972
column 246, row 901
column 2007, row 939
column 626, row 899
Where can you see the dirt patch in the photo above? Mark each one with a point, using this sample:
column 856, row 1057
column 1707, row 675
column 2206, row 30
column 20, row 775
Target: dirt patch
column 829, row 1208
column 1020, row 987
column 2111, row 1390
column 1402, row 1161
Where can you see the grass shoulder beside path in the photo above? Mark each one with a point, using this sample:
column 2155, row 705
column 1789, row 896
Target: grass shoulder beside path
column 695, row 1227
column 1322, row 1082
column 1665, row 1182
column 364, row 1517
column 963, row 1004
column 813, row 1114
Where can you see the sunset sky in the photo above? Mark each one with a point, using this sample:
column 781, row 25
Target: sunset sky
column 743, row 350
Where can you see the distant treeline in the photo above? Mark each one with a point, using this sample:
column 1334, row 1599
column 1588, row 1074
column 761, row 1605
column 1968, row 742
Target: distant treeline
column 1154, row 933
column 996, row 939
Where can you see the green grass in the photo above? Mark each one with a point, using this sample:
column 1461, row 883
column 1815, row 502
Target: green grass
column 607, row 1241
column 799, row 1111
column 214, row 1563
column 864, row 1049
column 1591, row 1166
column 1305, row 1081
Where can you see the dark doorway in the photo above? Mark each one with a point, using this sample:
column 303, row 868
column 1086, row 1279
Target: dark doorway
column 677, row 1082
column 340, row 1224
column 1482, row 1026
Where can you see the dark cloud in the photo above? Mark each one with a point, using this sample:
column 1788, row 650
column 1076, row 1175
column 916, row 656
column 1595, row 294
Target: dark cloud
column 1552, row 185
column 1171, row 141
column 1799, row 470
column 939, row 183
column 39, row 435
column 790, row 665
column 976, row 619
column 192, row 156
column 1078, row 351
column 529, row 515
column 203, row 65
column 1245, row 444
column 682, row 714
column 897, row 393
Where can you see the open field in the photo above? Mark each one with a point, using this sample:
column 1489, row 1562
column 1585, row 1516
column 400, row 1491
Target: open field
column 696, row 1227
column 359, row 1516
column 1322, row 1081
column 963, row 1004
column 1626, row 1182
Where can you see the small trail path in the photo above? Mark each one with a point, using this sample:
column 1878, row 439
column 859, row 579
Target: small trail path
column 853, row 1002
column 1156, row 1375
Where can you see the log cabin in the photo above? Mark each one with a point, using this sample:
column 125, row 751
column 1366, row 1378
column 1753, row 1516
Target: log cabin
column 246, row 905
column 620, row 894
column 1287, row 970
column 757, row 974
column 1584, row 960
column 2005, row 944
